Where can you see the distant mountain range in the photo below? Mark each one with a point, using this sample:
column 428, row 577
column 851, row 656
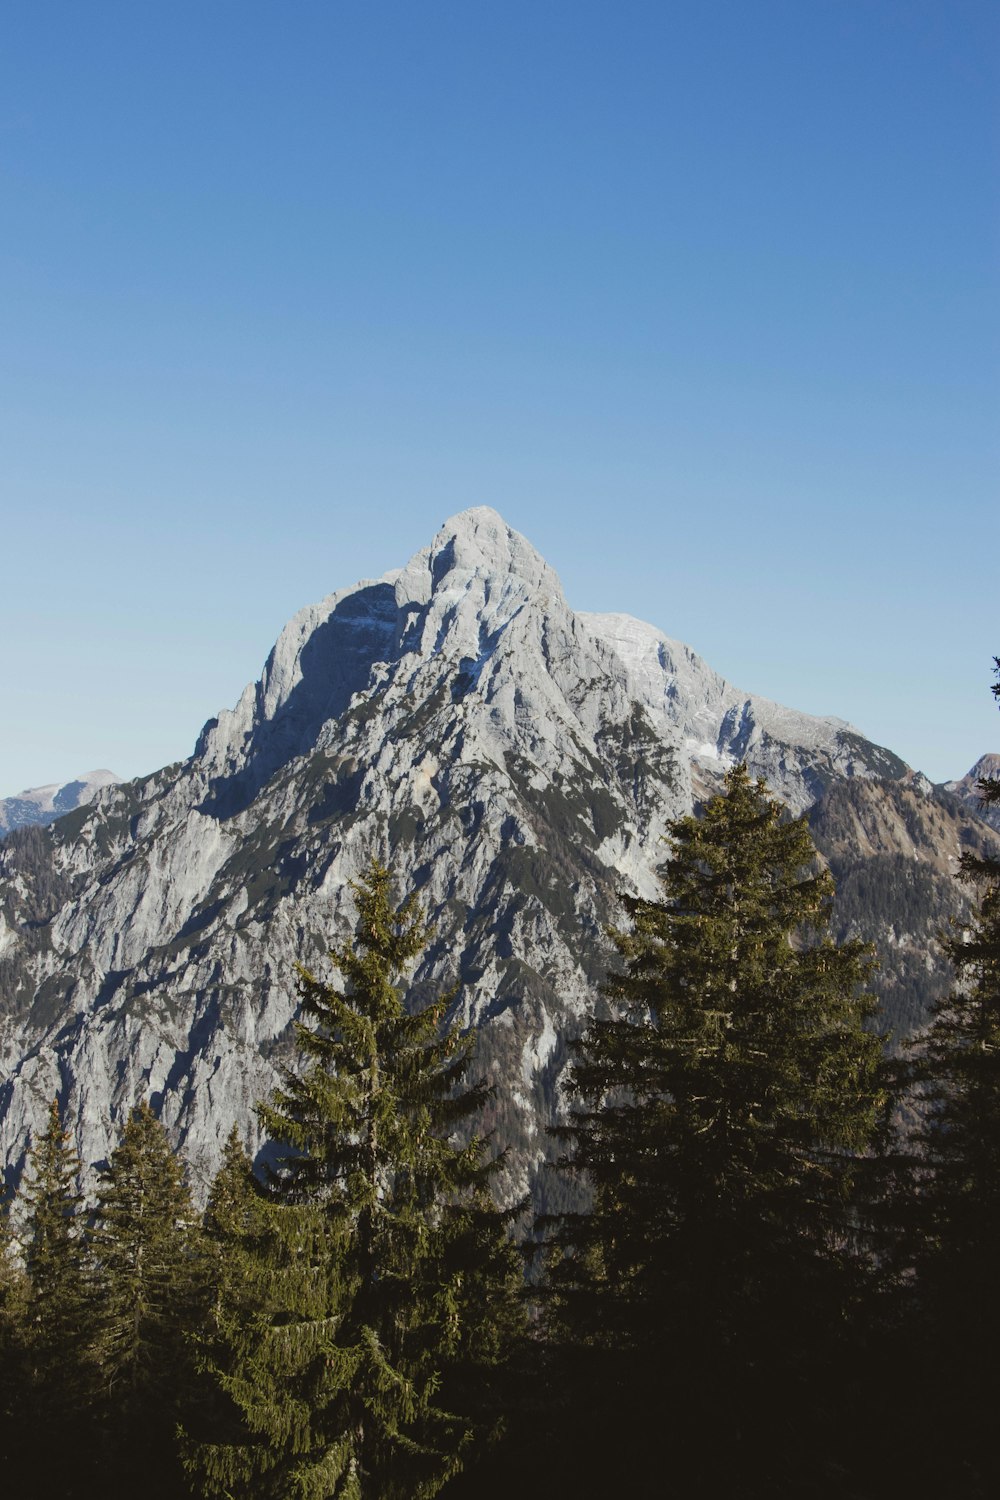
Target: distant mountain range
column 43, row 804
column 516, row 762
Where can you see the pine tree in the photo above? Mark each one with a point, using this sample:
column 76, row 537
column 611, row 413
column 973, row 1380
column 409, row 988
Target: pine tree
column 153, row 1284
column 234, row 1192
column 958, row 1143
column 234, row 1229
column 13, row 1367
column 721, row 1107
column 58, row 1343
column 375, row 1268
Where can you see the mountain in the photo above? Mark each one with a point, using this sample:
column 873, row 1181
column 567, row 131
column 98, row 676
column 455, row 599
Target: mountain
column 967, row 788
column 516, row 762
column 43, row 804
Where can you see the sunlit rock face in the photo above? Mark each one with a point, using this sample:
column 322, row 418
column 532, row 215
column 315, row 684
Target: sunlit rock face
column 516, row 762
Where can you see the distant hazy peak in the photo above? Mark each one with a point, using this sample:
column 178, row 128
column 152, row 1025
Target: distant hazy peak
column 43, row 804
column 967, row 787
column 46, row 795
column 986, row 765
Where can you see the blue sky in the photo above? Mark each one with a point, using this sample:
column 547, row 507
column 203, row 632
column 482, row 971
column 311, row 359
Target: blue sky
column 701, row 296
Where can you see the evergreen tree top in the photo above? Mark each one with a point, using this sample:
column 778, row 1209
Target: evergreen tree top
column 144, row 1180
column 51, row 1196
column 375, row 1070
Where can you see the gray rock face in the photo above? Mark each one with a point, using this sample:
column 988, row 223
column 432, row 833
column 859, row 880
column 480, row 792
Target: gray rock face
column 514, row 761
column 43, row 804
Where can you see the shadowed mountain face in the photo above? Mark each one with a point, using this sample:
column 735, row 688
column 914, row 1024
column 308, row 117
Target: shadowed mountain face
column 516, row 762
column 332, row 662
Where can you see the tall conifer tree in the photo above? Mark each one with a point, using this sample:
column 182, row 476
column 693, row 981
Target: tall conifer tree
column 59, row 1325
column 229, row 1211
column 721, row 1105
column 375, row 1267
column 152, row 1278
column 13, row 1327
column 235, row 1234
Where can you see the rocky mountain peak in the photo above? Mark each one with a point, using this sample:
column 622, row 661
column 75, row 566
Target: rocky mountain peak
column 476, row 543
column 515, row 762
column 967, row 788
column 477, row 575
column 450, row 605
column 986, row 766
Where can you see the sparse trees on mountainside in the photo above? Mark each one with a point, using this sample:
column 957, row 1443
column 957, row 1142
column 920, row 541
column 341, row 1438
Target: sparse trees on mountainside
column 721, row 1107
column 365, row 1290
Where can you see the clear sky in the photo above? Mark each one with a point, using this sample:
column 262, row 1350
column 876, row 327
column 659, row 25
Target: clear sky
column 701, row 296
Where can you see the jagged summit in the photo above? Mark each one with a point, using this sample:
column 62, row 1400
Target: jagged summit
column 477, row 542
column 480, row 596
column 450, row 603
